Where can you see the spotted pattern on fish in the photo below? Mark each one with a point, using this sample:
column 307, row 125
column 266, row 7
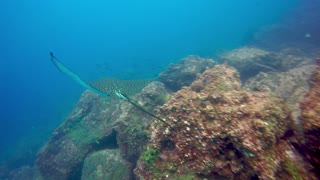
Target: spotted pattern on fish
column 128, row 87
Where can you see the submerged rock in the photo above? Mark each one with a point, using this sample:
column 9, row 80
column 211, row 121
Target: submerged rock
column 221, row 131
column 291, row 85
column 184, row 72
column 106, row 164
column 88, row 128
column 249, row 61
column 310, row 117
column 96, row 124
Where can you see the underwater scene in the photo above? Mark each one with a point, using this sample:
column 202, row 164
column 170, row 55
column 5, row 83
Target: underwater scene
column 177, row 90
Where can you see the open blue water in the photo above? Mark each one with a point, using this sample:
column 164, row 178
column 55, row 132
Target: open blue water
column 98, row 38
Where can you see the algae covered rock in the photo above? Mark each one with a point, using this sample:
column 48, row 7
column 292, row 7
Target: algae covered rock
column 310, row 117
column 132, row 123
column 106, row 164
column 96, row 124
column 221, row 132
column 249, row 61
column 184, row 72
column 89, row 127
column 291, row 85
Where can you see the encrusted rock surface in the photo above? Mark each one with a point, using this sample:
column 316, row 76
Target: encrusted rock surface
column 221, row 131
column 96, row 124
column 106, row 164
column 184, row 72
column 81, row 133
column 310, row 117
column 291, row 85
column 249, row 61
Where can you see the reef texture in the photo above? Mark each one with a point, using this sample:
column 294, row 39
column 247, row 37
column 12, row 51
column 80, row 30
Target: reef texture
column 249, row 61
column 96, row 124
column 106, row 164
column 291, row 85
column 222, row 132
column 184, row 72
column 289, row 82
column 310, row 117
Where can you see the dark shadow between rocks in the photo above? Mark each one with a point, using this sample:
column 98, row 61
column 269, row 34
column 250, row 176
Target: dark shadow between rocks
column 106, row 142
column 168, row 144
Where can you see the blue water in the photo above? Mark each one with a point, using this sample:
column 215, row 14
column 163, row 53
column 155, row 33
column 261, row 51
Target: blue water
column 98, row 38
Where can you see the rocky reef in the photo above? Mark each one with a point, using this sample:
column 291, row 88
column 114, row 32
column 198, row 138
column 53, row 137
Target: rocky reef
column 222, row 131
column 239, row 122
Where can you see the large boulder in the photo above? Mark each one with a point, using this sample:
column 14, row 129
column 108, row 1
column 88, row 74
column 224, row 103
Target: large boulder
column 220, row 131
column 106, row 164
column 184, row 72
column 249, row 61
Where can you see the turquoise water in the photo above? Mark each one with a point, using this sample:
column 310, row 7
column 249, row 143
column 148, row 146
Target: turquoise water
column 123, row 39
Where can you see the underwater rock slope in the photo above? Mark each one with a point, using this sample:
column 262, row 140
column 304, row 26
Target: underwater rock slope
column 310, row 116
column 222, row 131
column 219, row 129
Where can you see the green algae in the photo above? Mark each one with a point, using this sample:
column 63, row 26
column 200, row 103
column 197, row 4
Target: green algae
column 290, row 167
column 184, row 177
column 150, row 155
column 148, row 134
column 81, row 133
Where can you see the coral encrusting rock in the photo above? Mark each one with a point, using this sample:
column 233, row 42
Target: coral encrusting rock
column 221, row 131
column 310, row 117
